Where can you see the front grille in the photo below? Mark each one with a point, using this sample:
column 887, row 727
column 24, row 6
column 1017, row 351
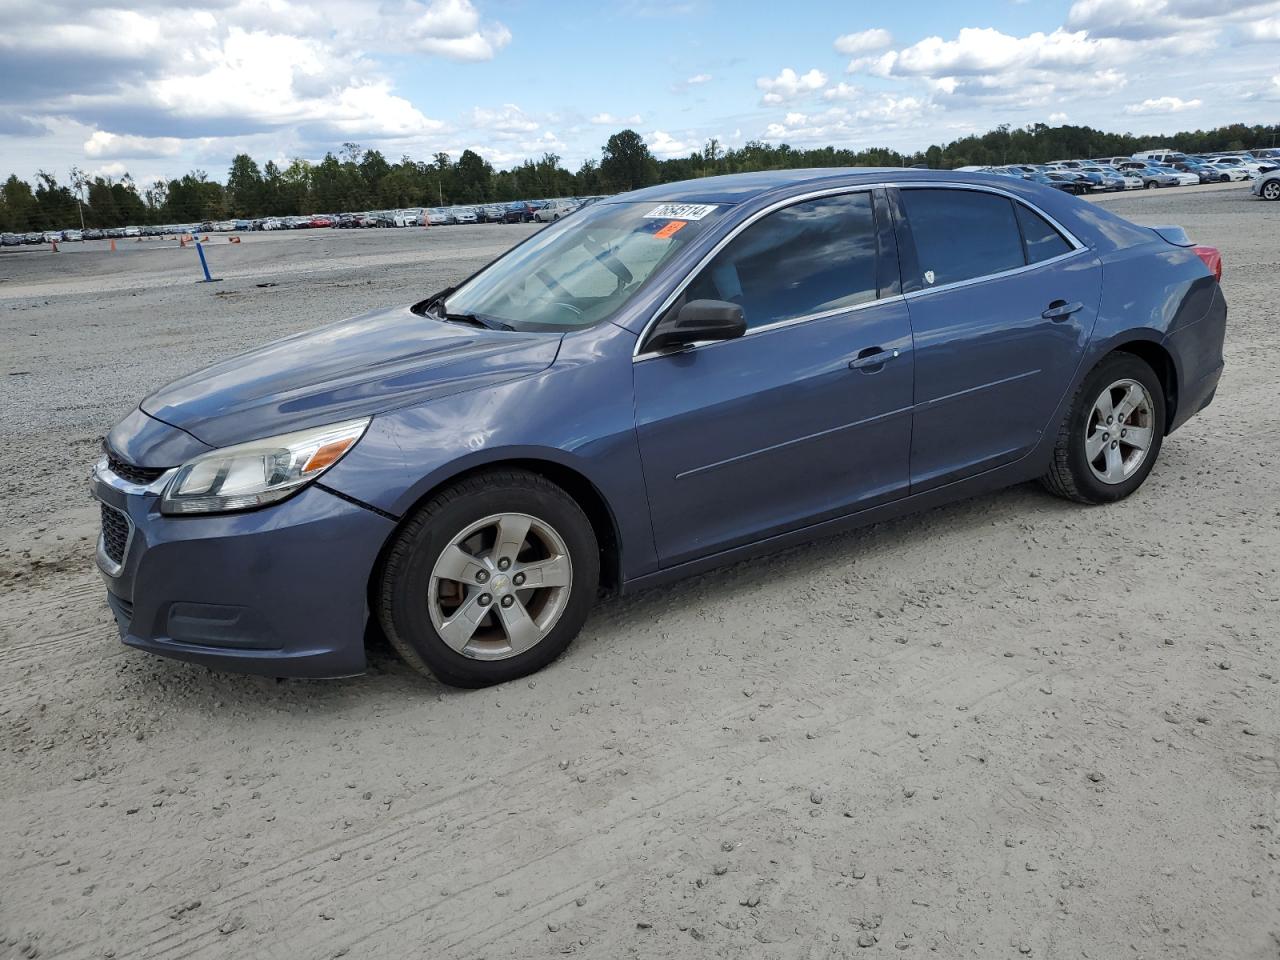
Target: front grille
column 115, row 534
column 142, row 476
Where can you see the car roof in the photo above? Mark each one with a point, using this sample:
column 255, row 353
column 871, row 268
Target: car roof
column 740, row 187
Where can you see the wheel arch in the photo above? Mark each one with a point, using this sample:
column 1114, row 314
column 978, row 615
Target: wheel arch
column 1161, row 361
column 575, row 483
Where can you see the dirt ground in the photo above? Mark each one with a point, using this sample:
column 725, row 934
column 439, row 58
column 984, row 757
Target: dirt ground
column 1008, row 727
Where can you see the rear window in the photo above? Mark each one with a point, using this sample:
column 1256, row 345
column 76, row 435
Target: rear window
column 962, row 234
column 1042, row 240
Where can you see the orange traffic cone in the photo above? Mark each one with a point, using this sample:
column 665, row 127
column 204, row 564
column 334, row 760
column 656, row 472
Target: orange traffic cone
column 113, row 246
column 182, row 242
column 54, row 244
column 233, row 239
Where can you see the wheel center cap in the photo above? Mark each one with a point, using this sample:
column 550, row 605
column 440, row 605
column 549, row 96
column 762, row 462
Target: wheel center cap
column 501, row 583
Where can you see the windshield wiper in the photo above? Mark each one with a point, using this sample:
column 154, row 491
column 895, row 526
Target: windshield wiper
column 476, row 320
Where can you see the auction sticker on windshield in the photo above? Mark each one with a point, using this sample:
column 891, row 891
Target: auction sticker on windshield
column 681, row 211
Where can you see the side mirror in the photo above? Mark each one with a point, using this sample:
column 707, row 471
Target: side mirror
column 696, row 321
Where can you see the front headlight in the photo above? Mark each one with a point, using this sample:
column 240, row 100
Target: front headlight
column 259, row 472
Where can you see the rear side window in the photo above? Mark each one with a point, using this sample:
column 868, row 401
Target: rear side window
column 1042, row 240
column 962, row 234
column 811, row 257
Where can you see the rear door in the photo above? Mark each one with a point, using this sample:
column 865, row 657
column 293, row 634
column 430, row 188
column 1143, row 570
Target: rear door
column 1002, row 304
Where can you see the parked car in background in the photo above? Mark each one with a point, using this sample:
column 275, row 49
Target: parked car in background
column 72, row 236
column 1202, row 171
column 553, row 210
column 132, row 232
column 93, row 234
column 1230, row 168
column 493, row 213
column 518, row 211
column 10, row 240
column 1160, row 157
column 52, row 236
column 31, row 238
column 1152, row 177
column 465, row 215
column 438, row 217
column 1076, row 183
column 1184, row 178
column 1267, row 186
column 804, row 371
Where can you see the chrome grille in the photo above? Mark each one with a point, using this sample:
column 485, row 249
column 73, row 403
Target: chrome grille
column 142, row 476
column 115, row 534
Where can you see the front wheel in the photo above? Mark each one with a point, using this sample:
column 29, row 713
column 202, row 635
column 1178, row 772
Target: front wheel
column 1151, row 184
column 490, row 580
column 1109, row 440
column 1271, row 190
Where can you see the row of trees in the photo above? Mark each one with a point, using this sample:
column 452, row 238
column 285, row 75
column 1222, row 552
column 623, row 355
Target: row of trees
column 359, row 179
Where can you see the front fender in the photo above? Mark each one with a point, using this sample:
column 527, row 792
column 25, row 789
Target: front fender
column 578, row 414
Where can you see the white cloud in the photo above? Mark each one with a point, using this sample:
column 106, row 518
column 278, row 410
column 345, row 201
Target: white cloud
column 510, row 122
column 664, row 146
column 103, row 146
column 609, row 120
column 1262, row 31
column 698, row 78
column 788, row 85
column 841, row 91
column 1161, row 105
column 1058, row 118
column 863, row 41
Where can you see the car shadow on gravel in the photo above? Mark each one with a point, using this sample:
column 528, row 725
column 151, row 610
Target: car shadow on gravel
column 389, row 682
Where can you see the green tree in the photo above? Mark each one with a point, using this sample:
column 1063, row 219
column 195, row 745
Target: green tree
column 626, row 162
column 245, row 186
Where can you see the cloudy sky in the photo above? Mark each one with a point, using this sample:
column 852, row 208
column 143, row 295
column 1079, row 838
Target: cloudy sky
column 156, row 87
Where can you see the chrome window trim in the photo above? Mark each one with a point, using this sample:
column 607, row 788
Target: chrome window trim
column 912, row 295
column 637, row 355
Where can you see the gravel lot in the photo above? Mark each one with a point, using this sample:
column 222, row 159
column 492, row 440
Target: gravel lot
column 1008, row 727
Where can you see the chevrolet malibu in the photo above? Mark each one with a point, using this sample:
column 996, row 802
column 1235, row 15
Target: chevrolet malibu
column 669, row 380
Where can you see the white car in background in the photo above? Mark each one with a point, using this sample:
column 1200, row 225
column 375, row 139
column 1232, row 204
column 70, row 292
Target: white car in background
column 52, row 236
column 72, row 235
column 1267, row 186
column 555, row 209
column 1185, row 179
column 1234, row 167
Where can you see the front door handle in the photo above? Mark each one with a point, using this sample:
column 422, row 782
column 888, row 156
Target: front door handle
column 1059, row 310
column 872, row 358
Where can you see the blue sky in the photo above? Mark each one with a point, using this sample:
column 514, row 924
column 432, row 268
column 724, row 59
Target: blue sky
column 155, row 88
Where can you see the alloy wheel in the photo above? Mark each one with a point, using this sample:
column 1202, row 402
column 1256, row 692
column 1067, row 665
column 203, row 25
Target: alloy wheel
column 500, row 586
column 1271, row 189
column 1119, row 431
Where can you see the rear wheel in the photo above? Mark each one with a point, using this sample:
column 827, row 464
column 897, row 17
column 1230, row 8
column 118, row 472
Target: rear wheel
column 490, row 580
column 1109, row 440
column 1151, row 184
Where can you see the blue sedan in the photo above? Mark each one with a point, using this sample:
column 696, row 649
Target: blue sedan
column 671, row 379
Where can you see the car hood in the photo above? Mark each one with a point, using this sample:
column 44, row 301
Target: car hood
column 359, row 367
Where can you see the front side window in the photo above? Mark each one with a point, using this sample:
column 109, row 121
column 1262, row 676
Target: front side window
column 812, row 257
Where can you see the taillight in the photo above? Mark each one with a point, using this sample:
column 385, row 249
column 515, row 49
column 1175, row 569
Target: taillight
column 1212, row 259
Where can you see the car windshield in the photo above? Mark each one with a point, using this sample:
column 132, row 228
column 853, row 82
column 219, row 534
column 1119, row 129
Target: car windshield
column 582, row 270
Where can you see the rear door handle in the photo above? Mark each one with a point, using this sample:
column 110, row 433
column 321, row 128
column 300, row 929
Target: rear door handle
column 1060, row 310
column 872, row 357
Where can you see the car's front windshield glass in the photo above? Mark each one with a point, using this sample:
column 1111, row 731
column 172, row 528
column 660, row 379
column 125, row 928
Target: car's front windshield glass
column 581, row 270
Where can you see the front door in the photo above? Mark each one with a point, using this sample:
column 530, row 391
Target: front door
column 805, row 417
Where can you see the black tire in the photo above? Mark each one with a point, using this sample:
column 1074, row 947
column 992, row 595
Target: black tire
column 402, row 589
column 1224, row 179
column 1151, row 185
column 1069, row 475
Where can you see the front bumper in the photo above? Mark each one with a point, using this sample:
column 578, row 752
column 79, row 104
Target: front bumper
column 279, row 591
